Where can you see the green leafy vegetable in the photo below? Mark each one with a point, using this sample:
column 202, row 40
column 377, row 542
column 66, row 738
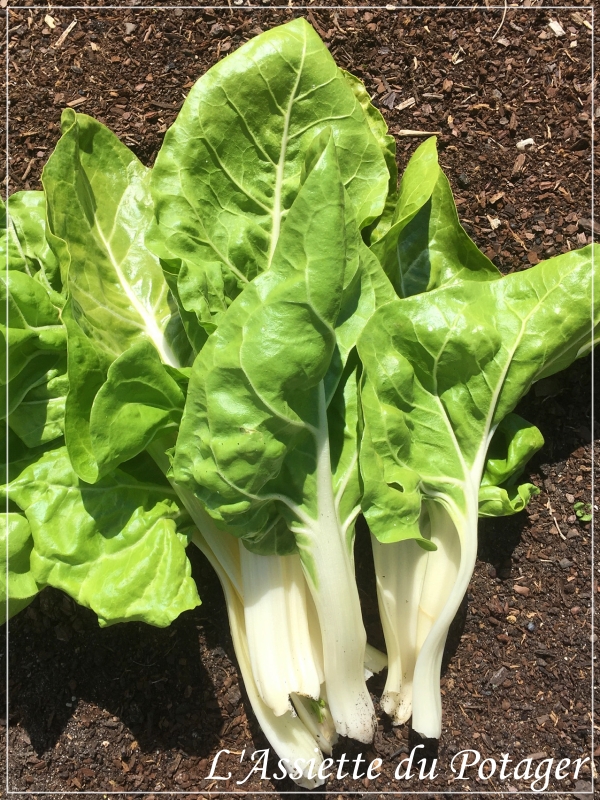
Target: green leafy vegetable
column 17, row 584
column 442, row 371
column 425, row 246
column 113, row 547
column 231, row 165
column 254, row 443
column 207, row 351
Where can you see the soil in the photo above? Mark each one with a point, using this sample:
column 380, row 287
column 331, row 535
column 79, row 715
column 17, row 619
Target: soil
column 134, row 708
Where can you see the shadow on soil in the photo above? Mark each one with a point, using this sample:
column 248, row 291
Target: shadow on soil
column 153, row 680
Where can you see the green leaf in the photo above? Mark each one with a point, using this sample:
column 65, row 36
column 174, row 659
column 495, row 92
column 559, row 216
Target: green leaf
column 87, row 370
column 268, row 437
column 16, row 542
column 31, row 328
column 426, row 246
column 142, row 398
column 443, row 369
column 99, row 207
column 378, row 127
column 231, row 165
column 514, row 442
column 253, row 394
column 23, row 232
column 113, row 547
column 498, row 501
column 391, row 500
column 39, row 417
column 19, row 456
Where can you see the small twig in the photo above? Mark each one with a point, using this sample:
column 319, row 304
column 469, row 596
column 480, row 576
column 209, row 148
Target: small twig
column 65, row 33
column 28, row 169
column 551, row 510
column 406, row 132
column 502, row 20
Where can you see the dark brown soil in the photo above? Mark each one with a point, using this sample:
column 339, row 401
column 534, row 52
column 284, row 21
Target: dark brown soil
column 133, row 708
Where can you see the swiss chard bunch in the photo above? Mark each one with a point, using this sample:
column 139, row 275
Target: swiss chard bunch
column 245, row 346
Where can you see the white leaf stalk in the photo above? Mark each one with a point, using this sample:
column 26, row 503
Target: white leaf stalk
column 328, row 563
column 447, row 576
column 294, row 744
column 313, row 727
column 400, row 572
column 282, row 653
column 315, row 714
column 419, row 594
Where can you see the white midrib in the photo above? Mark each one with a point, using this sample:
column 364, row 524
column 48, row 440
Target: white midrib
column 277, row 213
column 329, row 570
column 149, row 322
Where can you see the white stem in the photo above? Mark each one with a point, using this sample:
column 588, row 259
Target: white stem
column 329, row 570
column 279, row 641
column 456, row 537
column 400, row 572
column 318, row 720
column 375, row 660
column 287, row 734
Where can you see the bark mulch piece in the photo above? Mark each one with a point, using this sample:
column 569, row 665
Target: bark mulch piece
column 133, row 708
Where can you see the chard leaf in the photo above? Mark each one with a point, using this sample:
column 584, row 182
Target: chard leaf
column 254, row 392
column 16, row 579
column 252, row 396
column 23, row 233
column 99, row 205
column 426, row 246
column 499, row 501
column 514, row 442
column 31, row 328
column 378, row 127
column 268, row 436
column 39, row 417
column 113, row 547
column 87, row 368
column 231, row 164
column 443, row 369
column 99, row 209
column 138, row 388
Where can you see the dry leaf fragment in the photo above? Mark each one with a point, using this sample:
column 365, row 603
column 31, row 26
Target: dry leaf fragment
column 519, row 164
column 94, row 46
column 556, row 27
column 494, row 222
column 577, row 18
column 406, row 104
column 50, row 21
